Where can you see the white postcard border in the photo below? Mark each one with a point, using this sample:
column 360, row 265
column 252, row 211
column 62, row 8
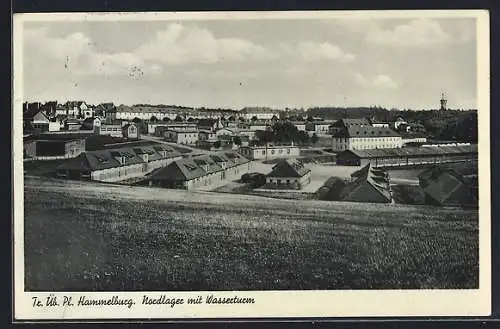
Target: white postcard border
column 337, row 303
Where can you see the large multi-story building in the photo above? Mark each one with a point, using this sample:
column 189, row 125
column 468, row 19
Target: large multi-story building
column 365, row 138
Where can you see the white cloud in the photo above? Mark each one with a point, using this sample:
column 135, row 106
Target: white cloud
column 360, row 79
column 310, row 51
column 119, row 64
column 39, row 42
column 418, row 32
column 178, row 44
column 385, row 82
column 76, row 54
column 380, row 81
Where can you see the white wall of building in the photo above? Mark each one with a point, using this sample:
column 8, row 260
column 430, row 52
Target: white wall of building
column 111, row 130
column 54, row 126
column 272, row 152
column 259, row 115
column 360, row 143
column 414, row 140
column 182, row 137
column 321, row 129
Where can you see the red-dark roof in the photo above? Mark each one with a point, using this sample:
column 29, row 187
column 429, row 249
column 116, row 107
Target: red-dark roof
column 440, row 183
column 413, row 151
column 289, row 168
column 376, row 178
column 351, row 122
column 198, row 166
column 109, row 158
column 180, row 170
column 366, row 132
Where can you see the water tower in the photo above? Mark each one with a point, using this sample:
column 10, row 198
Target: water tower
column 443, row 102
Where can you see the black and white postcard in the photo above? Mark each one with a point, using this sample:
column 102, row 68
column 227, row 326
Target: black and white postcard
column 251, row 165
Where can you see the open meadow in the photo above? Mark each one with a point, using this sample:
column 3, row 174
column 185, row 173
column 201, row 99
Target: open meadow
column 82, row 236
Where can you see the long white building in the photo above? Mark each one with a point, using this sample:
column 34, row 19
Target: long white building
column 365, row 138
column 270, row 152
column 147, row 112
column 261, row 113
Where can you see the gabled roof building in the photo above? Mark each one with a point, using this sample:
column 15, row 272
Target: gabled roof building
column 368, row 184
column 288, row 175
column 445, row 187
column 50, row 148
column 204, row 171
column 112, row 165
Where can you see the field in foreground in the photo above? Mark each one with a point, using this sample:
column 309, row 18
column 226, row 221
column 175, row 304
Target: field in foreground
column 83, row 236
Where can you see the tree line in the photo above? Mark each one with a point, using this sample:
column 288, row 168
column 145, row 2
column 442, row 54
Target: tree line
column 283, row 132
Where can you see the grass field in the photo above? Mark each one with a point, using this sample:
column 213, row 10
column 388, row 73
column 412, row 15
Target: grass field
column 83, row 236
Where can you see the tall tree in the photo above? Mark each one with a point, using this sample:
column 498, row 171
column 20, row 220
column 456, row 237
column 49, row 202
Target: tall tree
column 264, row 136
column 314, row 138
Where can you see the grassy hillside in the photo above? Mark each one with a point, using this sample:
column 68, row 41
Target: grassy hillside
column 84, row 236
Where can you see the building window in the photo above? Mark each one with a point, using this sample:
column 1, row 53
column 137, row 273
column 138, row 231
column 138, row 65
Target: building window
column 279, row 181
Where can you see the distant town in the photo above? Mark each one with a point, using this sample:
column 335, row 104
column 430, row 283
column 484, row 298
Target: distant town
column 255, row 150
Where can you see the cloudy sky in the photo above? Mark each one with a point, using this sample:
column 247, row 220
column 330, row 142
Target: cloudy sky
column 403, row 63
